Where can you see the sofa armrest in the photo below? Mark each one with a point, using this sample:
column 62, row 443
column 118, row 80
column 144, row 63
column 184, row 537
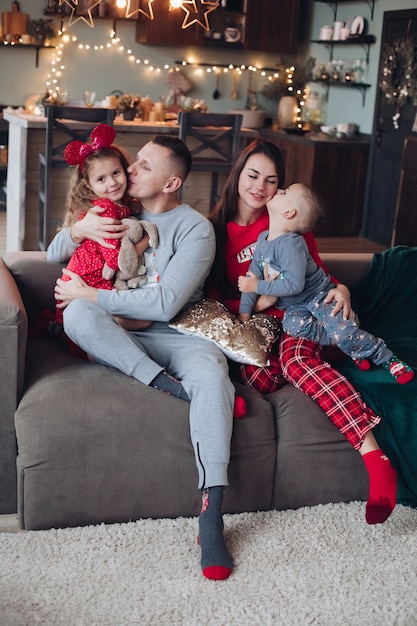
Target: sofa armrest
column 27, row 282
column 348, row 267
column 35, row 278
column 13, row 334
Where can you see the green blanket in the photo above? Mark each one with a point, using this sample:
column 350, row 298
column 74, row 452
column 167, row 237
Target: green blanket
column 386, row 303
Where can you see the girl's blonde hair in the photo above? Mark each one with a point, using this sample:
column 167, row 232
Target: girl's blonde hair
column 79, row 195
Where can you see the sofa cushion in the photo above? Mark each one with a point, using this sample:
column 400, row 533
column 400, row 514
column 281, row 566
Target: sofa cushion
column 315, row 463
column 248, row 342
column 98, row 446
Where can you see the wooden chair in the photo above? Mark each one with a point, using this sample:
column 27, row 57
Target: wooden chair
column 214, row 142
column 58, row 134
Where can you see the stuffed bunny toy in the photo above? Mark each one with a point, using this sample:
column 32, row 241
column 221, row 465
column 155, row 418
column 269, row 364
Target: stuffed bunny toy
column 132, row 268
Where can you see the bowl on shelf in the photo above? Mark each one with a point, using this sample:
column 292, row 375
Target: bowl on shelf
column 329, row 130
column 252, row 118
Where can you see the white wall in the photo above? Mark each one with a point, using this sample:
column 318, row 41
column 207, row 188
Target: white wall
column 106, row 70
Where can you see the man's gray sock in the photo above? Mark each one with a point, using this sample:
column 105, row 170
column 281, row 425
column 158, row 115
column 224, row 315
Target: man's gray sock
column 216, row 562
column 170, row 385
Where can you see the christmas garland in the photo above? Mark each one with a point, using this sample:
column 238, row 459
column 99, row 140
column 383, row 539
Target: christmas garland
column 398, row 74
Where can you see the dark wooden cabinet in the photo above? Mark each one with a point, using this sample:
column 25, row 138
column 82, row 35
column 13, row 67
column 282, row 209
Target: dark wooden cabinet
column 265, row 25
column 166, row 29
column 273, row 26
column 336, row 170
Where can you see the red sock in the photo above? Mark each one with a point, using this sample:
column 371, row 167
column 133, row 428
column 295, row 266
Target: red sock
column 239, row 408
column 382, row 487
column 362, row 364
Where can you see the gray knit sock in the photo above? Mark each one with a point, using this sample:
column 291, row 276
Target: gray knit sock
column 170, row 385
column 216, row 562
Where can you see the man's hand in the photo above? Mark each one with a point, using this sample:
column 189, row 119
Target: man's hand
column 248, row 283
column 340, row 295
column 68, row 290
column 97, row 228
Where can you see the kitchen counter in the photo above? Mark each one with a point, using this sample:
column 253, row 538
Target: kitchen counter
column 335, row 168
column 27, row 140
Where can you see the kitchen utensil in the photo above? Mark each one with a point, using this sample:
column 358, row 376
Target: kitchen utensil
column 328, row 130
column 337, row 30
column 358, row 25
column 251, row 102
column 14, row 22
column 326, row 32
column 233, row 93
column 216, row 92
column 232, row 35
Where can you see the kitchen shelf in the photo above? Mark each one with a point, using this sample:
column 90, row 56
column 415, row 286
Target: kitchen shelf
column 348, row 85
column 335, row 3
column 28, row 45
column 364, row 41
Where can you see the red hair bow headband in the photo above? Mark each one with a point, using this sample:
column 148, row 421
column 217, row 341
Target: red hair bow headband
column 76, row 152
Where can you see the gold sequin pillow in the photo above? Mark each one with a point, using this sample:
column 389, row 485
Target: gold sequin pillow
column 244, row 342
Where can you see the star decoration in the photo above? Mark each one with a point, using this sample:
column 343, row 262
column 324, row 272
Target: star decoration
column 201, row 11
column 70, row 3
column 150, row 15
column 88, row 20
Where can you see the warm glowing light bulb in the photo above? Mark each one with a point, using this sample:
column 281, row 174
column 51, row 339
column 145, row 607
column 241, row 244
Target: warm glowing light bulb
column 175, row 4
column 121, row 4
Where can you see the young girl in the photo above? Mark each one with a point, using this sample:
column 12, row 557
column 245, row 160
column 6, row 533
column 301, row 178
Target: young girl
column 100, row 179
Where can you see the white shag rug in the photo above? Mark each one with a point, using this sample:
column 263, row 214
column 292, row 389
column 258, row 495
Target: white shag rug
column 319, row 566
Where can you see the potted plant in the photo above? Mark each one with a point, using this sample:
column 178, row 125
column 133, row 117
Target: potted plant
column 41, row 30
column 128, row 105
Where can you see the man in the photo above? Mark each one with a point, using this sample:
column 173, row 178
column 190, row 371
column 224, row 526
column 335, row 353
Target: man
column 177, row 270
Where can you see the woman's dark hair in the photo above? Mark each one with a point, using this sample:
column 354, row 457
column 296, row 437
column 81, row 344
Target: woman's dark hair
column 226, row 207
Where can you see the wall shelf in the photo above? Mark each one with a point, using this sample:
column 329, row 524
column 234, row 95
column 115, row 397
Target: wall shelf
column 348, row 85
column 30, row 46
column 364, row 41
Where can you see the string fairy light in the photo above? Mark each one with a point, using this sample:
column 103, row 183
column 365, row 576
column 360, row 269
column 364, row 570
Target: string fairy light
column 56, row 74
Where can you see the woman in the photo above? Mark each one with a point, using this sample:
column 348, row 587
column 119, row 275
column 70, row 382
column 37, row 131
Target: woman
column 238, row 219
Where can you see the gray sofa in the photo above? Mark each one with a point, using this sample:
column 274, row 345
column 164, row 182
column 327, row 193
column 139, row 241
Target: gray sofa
column 84, row 444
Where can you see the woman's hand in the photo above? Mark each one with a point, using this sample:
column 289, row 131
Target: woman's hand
column 264, row 302
column 340, row 295
column 97, row 228
column 68, row 290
